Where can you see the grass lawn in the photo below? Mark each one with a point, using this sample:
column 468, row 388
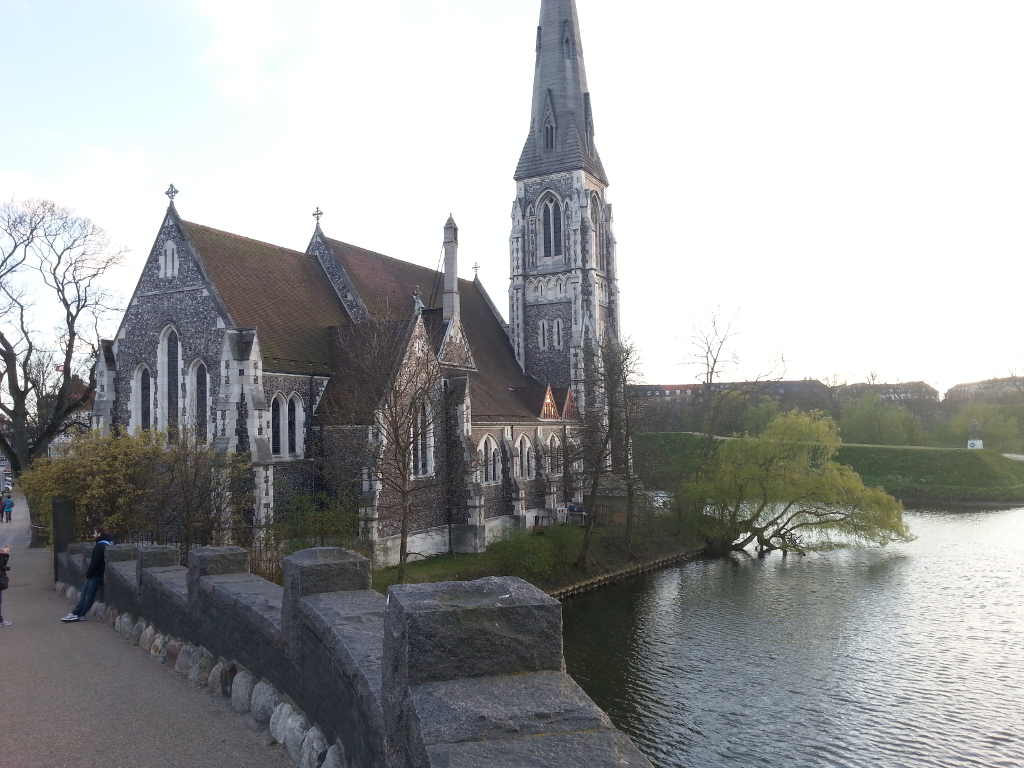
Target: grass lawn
column 937, row 474
column 907, row 472
column 548, row 560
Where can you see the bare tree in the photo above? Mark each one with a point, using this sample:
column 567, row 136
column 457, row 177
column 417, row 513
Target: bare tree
column 721, row 404
column 20, row 224
column 200, row 497
column 392, row 409
column 603, row 450
column 712, row 354
column 52, row 264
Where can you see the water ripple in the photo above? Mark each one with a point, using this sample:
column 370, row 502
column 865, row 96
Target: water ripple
column 910, row 655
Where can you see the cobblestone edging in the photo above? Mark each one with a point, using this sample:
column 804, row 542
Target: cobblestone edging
column 626, row 573
column 304, row 743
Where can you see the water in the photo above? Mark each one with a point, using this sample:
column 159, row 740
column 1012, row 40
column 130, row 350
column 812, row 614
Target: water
column 911, row 655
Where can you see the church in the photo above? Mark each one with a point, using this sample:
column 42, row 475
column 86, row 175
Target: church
column 204, row 345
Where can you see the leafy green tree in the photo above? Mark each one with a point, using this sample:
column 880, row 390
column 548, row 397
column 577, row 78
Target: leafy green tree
column 872, row 421
column 140, row 484
column 111, row 478
column 781, row 490
column 759, row 415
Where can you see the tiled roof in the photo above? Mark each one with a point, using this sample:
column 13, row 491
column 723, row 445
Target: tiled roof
column 356, row 387
column 386, row 286
column 283, row 293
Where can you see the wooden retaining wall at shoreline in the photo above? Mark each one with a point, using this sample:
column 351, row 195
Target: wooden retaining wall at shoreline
column 626, row 573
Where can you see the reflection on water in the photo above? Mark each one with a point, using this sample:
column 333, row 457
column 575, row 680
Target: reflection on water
column 911, row 655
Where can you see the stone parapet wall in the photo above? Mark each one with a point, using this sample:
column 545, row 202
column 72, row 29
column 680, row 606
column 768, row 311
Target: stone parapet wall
column 451, row 674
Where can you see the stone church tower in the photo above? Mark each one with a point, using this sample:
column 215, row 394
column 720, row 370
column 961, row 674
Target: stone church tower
column 563, row 292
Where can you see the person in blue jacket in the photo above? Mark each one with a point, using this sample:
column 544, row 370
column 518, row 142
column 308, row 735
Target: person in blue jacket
column 93, row 577
column 8, row 507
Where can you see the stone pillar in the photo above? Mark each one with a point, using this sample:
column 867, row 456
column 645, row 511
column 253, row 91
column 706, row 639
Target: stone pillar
column 213, row 561
column 79, row 554
column 452, row 630
column 310, row 572
column 155, row 556
column 63, row 529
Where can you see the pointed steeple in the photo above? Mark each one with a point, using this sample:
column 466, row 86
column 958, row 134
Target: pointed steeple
column 561, row 125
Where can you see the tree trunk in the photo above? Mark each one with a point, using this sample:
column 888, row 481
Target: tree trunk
column 584, row 559
column 630, row 505
column 403, row 549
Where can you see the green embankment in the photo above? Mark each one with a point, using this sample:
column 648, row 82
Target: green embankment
column 909, row 473
column 937, row 474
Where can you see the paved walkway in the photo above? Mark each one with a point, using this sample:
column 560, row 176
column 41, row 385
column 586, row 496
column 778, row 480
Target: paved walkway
column 77, row 695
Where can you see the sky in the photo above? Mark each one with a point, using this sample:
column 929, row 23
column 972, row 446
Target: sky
column 843, row 182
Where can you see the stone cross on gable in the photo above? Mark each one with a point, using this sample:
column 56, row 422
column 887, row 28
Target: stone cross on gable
column 476, row 269
column 171, row 192
column 317, row 214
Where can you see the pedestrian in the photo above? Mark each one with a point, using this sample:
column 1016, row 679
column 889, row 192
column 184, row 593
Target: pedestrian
column 8, row 507
column 93, row 576
column 5, row 555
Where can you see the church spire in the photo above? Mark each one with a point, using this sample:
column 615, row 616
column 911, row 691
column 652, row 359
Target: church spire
column 561, row 125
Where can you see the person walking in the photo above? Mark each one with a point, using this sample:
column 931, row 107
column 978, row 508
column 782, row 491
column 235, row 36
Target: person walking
column 8, row 507
column 93, row 576
column 5, row 555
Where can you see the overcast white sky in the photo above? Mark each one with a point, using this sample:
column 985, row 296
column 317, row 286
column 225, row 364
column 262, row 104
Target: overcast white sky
column 846, row 178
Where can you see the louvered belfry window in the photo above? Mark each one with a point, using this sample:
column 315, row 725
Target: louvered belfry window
column 551, row 214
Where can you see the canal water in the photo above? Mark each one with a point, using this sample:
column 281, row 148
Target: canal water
column 909, row 655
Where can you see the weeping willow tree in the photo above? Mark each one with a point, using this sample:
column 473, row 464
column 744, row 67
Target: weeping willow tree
column 782, row 490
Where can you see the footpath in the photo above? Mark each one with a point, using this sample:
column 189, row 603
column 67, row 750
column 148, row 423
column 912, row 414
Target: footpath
column 78, row 696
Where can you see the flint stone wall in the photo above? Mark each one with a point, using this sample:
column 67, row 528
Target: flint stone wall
column 451, row 674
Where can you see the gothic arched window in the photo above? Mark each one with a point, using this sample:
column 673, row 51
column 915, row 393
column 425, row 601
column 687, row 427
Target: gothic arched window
column 600, row 234
column 551, row 222
column 171, row 383
column 145, row 399
column 275, row 427
column 558, row 333
column 421, row 440
column 554, row 458
column 491, row 460
column 202, row 406
column 524, row 458
column 549, row 136
column 292, row 437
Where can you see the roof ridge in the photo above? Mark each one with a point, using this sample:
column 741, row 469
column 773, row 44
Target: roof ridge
column 243, row 237
column 367, row 250
column 433, row 271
